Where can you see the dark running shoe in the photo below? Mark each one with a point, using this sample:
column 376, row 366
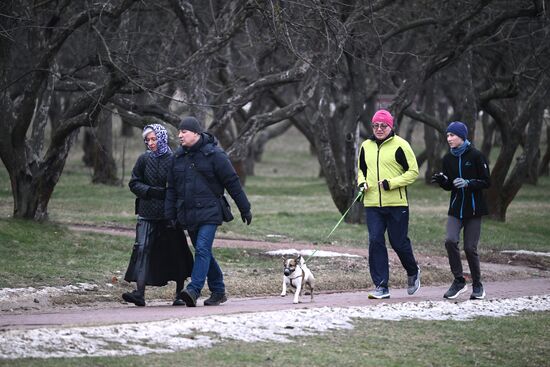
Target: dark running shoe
column 456, row 288
column 478, row 292
column 215, row 299
column 413, row 283
column 379, row 293
column 189, row 298
column 178, row 302
column 134, row 297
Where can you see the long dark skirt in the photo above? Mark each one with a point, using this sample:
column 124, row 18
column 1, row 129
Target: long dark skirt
column 159, row 255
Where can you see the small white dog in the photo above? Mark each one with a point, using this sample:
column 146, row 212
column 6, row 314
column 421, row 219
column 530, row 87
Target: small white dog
column 296, row 274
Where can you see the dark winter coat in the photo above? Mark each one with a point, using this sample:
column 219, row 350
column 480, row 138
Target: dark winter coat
column 148, row 183
column 193, row 198
column 472, row 166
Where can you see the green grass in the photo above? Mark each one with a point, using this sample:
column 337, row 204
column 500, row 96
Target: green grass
column 291, row 203
column 510, row 341
column 45, row 254
column 50, row 255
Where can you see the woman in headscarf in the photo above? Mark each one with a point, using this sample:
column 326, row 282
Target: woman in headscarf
column 160, row 251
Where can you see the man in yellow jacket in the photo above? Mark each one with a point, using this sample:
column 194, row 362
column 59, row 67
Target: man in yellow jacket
column 387, row 165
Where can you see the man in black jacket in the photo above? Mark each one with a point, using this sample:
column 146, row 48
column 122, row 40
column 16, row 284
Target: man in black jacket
column 465, row 174
column 200, row 173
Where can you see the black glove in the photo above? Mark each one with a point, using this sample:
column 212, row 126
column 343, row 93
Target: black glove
column 247, row 218
column 362, row 187
column 156, row 192
column 386, row 185
column 172, row 224
column 439, row 177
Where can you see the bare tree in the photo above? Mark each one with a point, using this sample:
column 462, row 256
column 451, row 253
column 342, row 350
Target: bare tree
column 244, row 65
column 35, row 36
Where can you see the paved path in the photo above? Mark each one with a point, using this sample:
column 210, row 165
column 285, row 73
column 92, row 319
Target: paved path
column 162, row 311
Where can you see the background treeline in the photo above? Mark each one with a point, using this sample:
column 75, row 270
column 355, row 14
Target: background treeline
column 251, row 68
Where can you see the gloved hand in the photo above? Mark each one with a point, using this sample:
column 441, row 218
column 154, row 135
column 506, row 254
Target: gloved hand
column 385, row 184
column 172, row 224
column 247, row 218
column 363, row 187
column 156, row 192
column 460, row 183
column 439, row 177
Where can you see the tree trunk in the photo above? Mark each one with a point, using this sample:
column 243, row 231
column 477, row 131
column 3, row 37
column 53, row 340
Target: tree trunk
column 532, row 169
column 496, row 196
column 32, row 184
column 431, row 137
column 503, row 190
column 488, row 125
column 545, row 161
column 88, row 147
column 104, row 163
column 126, row 130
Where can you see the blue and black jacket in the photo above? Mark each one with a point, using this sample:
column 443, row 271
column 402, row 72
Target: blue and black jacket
column 198, row 177
column 472, row 166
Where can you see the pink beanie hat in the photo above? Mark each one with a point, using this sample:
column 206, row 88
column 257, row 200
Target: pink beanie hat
column 383, row 116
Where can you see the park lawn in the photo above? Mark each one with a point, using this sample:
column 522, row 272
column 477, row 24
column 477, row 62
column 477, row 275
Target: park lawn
column 300, row 209
column 290, row 203
column 520, row 340
column 45, row 254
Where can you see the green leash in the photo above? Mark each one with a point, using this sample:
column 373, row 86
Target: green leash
column 360, row 193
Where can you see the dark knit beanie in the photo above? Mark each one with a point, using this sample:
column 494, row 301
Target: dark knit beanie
column 190, row 123
column 459, row 129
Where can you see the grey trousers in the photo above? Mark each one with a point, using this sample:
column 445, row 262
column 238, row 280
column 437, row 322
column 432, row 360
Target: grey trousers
column 471, row 233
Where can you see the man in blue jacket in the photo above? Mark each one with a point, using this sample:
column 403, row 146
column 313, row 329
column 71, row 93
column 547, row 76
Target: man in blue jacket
column 200, row 173
column 465, row 174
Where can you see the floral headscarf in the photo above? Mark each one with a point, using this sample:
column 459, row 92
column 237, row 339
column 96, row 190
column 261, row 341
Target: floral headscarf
column 162, row 139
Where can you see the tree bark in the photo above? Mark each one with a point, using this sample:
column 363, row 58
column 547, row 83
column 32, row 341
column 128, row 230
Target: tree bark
column 104, row 166
column 544, row 166
column 489, row 127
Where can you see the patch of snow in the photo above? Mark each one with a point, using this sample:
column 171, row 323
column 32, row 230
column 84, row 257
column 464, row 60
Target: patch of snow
column 8, row 294
column 280, row 326
column 525, row 252
column 305, row 253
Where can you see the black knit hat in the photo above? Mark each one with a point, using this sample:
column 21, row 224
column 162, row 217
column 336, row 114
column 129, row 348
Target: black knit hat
column 190, row 123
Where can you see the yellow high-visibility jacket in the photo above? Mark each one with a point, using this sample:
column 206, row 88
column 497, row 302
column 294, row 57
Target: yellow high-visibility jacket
column 393, row 160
